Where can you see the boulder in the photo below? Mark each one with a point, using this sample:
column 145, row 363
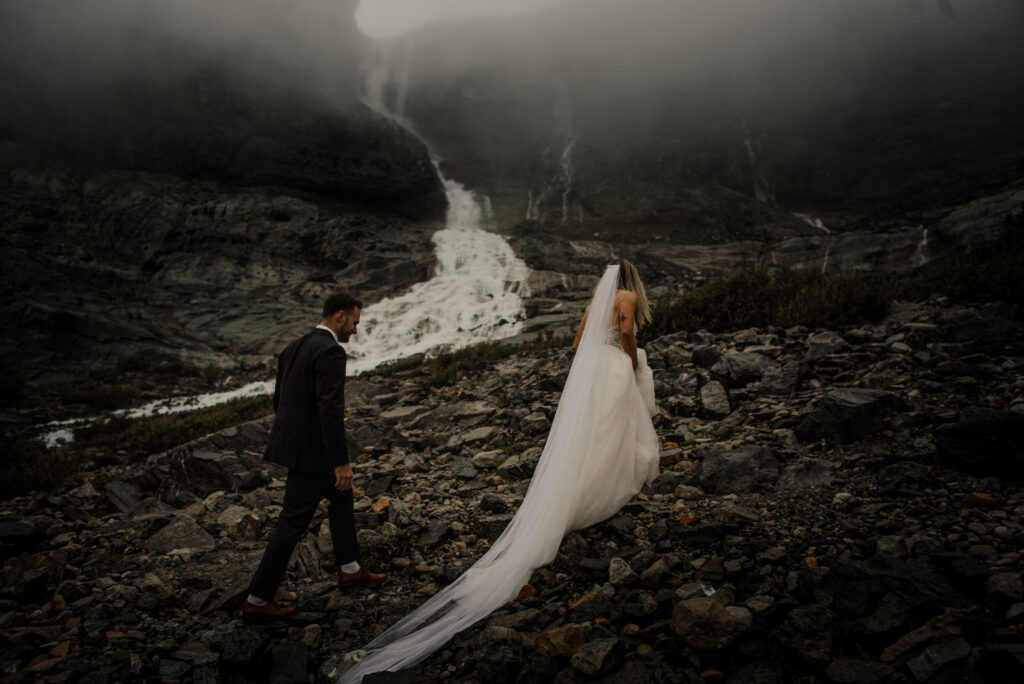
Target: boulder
column 746, row 469
column 714, row 400
column 703, row 623
column 847, row 414
column 180, row 533
column 806, row 472
column 740, row 368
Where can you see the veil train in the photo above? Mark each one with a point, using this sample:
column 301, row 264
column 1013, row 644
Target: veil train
column 531, row 538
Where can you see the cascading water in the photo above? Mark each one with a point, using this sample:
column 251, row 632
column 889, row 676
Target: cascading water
column 567, row 173
column 762, row 189
column 475, row 294
column 477, row 289
column 922, row 247
column 819, row 224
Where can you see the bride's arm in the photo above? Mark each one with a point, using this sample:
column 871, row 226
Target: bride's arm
column 579, row 331
column 627, row 312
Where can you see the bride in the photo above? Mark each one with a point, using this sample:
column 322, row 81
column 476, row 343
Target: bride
column 600, row 451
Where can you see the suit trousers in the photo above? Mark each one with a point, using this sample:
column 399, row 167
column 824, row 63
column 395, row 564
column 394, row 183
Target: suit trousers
column 302, row 495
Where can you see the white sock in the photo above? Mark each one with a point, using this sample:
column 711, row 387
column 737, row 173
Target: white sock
column 350, row 568
column 256, row 600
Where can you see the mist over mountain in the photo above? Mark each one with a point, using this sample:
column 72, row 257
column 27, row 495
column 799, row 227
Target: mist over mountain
column 184, row 156
column 824, row 105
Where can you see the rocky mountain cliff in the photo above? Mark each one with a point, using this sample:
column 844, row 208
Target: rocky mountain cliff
column 197, row 200
column 834, row 506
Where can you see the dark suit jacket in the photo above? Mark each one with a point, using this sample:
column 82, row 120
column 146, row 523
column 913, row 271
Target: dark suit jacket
column 309, row 402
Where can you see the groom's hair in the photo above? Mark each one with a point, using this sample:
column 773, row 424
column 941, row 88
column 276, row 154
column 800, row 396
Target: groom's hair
column 340, row 301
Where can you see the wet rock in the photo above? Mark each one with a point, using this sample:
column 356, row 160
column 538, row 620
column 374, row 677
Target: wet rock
column 239, row 522
column 806, row 472
column 846, row 415
column 493, row 503
column 181, row 533
column 597, row 657
column 620, row 573
column 746, row 469
column 703, row 623
column 784, row 380
column 740, row 368
column 560, row 641
column 821, row 344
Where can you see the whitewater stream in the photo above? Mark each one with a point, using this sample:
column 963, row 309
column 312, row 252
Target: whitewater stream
column 475, row 295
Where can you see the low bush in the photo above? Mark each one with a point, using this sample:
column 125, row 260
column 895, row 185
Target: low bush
column 448, row 367
column 144, row 436
column 762, row 297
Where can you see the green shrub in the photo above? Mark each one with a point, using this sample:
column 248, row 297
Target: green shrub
column 447, row 368
column 762, row 297
column 28, row 465
column 144, row 436
column 377, row 554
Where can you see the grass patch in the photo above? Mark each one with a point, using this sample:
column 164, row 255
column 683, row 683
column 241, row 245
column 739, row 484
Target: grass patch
column 144, row 436
column 762, row 297
column 986, row 271
column 379, row 553
column 29, row 466
column 448, row 368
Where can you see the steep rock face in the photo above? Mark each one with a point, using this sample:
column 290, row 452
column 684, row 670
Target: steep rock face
column 101, row 265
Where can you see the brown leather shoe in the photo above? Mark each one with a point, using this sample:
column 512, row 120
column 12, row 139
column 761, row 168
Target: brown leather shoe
column 271, row 611
column 360, row 578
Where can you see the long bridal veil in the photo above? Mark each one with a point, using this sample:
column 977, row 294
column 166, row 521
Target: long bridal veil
column 534, row 533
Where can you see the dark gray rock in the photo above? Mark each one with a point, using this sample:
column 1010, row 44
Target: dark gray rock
column 806, row 472
column 984, row 442
column 714, row 400
column 847, row 414
column 746, row 469
column 180, row 533
column 706, row 356
column 740, row 368
column 493, row 503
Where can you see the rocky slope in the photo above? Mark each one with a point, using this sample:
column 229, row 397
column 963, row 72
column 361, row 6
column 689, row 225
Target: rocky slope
column 102, row 265
column 834, row 506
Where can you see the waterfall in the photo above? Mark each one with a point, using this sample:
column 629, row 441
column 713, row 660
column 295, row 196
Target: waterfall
column 762, row 189
column 922, row 247
column 567, row 172
column 820, row 225
column 532, row 207
column 474, row 295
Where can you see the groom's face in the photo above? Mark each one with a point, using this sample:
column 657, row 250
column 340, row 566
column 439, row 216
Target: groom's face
column 349, row 321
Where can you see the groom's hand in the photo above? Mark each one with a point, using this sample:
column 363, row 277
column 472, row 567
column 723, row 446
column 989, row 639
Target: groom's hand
column 343, row 477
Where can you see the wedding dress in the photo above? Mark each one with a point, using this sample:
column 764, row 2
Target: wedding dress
column 600, row 451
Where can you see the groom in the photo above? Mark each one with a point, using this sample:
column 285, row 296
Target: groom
column 308, row 437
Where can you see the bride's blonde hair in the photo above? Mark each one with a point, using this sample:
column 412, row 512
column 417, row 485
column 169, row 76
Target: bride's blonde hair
column 629, row 279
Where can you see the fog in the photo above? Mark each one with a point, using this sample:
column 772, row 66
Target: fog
column 727, row 58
